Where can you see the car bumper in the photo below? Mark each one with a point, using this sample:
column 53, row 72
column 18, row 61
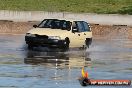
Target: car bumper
column 44, row 42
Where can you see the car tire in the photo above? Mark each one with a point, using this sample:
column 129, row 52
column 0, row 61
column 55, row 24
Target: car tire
column 88, row 41
column 66, row 44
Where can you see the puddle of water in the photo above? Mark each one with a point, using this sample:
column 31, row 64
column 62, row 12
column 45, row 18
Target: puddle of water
column 20, row 68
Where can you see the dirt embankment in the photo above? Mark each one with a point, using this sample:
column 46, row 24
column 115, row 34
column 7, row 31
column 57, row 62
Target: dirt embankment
column 99, row 31
column 15, row 27
column 111, row 31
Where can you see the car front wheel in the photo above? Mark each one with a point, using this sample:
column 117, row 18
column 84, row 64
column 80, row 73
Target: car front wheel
column 66, row 44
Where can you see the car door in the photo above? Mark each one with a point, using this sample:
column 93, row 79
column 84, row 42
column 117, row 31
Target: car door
column 76, row 36
column 86, row 30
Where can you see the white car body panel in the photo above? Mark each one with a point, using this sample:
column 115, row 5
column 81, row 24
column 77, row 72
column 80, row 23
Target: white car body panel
column 75, row 39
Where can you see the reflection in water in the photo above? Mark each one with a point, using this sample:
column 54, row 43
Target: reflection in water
column 57, row 59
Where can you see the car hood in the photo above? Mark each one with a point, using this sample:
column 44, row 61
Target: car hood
column 47, row 31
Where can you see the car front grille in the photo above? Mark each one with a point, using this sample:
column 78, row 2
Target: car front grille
column 42, row 36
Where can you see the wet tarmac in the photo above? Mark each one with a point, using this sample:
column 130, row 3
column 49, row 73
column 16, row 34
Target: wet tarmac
column 21, row 68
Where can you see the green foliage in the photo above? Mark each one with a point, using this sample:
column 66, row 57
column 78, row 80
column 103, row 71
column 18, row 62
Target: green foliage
column 126, row 10
column 78, row 6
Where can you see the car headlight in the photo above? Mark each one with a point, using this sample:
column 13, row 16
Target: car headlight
column 30, row 35
column 54, row 37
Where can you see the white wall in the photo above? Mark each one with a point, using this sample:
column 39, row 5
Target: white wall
column 108, row 19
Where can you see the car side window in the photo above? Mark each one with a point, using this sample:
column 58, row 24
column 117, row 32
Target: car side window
column 86, row 26
column 74, row 27
column 82, row 26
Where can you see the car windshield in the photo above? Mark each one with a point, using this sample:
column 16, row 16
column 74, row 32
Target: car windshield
column 55, row 24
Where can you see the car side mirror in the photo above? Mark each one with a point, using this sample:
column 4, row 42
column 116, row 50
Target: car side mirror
column 35, row 26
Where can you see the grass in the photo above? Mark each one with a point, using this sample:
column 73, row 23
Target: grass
column 78, row 6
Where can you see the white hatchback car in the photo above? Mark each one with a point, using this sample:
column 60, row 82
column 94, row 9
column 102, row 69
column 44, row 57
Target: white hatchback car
column 59, row 34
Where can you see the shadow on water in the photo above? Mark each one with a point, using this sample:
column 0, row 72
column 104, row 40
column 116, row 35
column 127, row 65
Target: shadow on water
column 61, row 59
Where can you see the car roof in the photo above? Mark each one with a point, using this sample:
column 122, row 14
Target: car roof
column 57, row 19
column 67, row 20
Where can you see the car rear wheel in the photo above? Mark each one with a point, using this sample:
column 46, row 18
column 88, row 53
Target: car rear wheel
column 88, row 41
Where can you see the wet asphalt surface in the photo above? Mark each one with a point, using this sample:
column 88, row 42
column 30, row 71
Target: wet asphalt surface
column 22, row 68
